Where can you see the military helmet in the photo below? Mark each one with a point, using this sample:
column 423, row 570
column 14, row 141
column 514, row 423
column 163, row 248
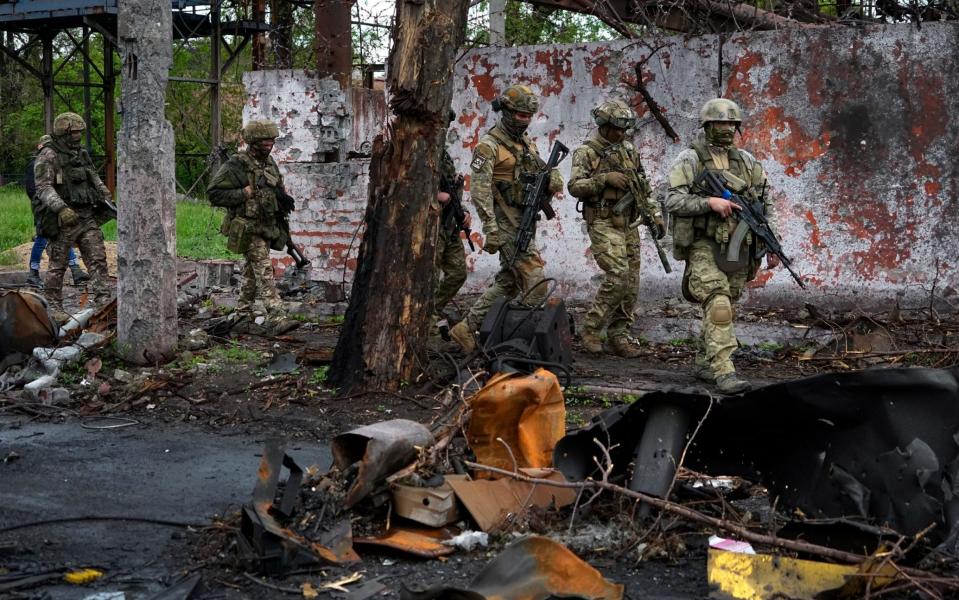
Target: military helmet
column 720, row 109
column 517, row 98
column 66, row 123
column 616, row 113
column 44, row 140
column 262, row 129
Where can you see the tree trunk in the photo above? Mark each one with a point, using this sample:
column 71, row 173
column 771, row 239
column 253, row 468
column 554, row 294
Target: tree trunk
column 146, row 233
column 385, row 331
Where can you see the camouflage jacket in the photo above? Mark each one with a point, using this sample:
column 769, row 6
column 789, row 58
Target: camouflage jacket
column 597, row 157
column 66, row 178
column 226, row 190
column 692, row 217
column 497, row 166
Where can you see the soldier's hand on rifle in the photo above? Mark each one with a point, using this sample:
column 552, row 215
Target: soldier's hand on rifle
column 442, row 197
column 772, row 261
column 617, row 180
column 66, row 217
column 248, row 191
column 493, row 242
column 467, row 221
column 660, row 227
column 722, row 207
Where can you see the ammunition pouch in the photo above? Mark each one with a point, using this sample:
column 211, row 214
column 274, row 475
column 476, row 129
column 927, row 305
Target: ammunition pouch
column 592, row 212
column 240, row 234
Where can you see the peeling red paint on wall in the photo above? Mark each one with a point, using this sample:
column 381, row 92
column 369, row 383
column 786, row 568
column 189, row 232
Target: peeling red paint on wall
column 558, row 70
column 482, row 82
column 739, row 86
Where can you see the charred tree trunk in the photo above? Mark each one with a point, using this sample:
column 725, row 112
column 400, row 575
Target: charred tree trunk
column 386, row 327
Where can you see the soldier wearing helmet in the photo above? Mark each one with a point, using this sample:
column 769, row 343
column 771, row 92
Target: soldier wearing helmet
column 503, row 156
column 600, row 176
column 70, row 209
column 247, row 185
column 701, row 228
column 449, row 259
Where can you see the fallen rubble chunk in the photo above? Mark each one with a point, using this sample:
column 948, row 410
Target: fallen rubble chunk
column 376, row 451
column 534, row 568
column 89, row 339
column 432, row 506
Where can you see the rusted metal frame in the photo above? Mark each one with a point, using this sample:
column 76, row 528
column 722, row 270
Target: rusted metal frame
column 109, row 124
column 259, row 42
column 46, row 80
column 215, row 74
column 26, row 66
column 233, row 54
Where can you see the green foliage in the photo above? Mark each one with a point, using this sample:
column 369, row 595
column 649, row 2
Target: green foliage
column 771, row 346
column 680, row 342
column 234, row 353
column 528, row 25
column 16, row 220
column 319, row 375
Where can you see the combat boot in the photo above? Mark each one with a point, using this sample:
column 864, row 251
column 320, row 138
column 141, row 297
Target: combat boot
column 34, row 279
column 79, row 275
column 730, row 383
column 591, row 341
column 626, row 346
column 462, row 335
column 702, row 371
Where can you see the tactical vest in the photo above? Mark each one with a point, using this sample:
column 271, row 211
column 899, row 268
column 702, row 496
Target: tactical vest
column 258, row 215
column 711, row 226
column 513, row 161
column 612, row 158
column 74, row 178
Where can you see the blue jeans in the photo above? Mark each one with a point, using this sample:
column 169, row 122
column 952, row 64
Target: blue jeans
column 39, row 243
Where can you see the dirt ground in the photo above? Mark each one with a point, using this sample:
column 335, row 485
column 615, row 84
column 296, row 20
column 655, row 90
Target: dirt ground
column 179, row 443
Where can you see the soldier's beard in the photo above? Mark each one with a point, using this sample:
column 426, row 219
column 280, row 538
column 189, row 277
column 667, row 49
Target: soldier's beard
column 723, row 138
column 514, row 127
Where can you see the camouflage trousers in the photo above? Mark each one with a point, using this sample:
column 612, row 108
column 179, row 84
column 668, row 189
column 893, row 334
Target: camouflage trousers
column 715, row 291
column 526, row 272
column 616, row 250
column 449, row 270
column 87, row 236
column 258, row 281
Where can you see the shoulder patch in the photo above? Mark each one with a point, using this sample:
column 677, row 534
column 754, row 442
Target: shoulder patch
column 482, row 155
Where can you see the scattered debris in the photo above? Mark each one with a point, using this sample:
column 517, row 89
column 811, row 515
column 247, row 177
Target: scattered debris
column 25, row 322
column 492, row 503
column 468, row 540
column 433, row 506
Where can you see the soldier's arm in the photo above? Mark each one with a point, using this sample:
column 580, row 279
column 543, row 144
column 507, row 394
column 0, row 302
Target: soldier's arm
column 44, row 172
column 555, row 181
column 226, row 188
column 680, row 200
column 582, row 182
column 481, row 185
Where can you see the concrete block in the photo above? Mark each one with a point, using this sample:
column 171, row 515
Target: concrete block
column 39, row 383
column 89, row 339
column 67, row 354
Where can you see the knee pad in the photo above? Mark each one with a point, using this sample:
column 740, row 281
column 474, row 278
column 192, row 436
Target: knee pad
column 719, row 310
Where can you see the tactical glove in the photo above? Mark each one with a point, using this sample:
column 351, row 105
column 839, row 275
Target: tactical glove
column 66, row 217
column 493, row 242
column 617, row 180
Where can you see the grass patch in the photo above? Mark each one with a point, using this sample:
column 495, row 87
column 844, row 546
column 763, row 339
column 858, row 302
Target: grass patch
column 234, row 353
column 197, row 227
column 319, row 375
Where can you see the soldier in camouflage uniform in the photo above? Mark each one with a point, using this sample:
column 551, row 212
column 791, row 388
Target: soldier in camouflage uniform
column 246, row 185
column 599, row 178
column 449, row 262
column 701, row 232
column 504, row 154
column 71, row 209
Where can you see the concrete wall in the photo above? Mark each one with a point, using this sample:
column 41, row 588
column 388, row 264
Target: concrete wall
column 856, row 128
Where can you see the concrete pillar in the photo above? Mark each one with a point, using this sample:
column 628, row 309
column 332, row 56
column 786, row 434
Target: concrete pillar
column 146, row 233
column 497, row 22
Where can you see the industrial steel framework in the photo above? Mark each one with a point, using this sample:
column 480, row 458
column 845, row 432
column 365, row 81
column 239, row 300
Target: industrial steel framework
column 44, row 20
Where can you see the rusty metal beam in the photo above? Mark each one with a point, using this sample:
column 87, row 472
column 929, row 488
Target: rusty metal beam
column 334, row 47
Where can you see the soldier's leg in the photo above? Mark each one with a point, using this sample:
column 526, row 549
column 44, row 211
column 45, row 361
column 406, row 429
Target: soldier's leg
column 504, row 284
column 453, row 268
column 609, row 251
column 529, row 278
column 710, row 286
column 57, row 249
column 623, row 314
column 258, row 259
column 94, row 253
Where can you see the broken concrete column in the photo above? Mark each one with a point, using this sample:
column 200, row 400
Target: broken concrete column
column 146, row 233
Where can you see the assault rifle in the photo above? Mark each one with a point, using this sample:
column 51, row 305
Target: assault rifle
column 286, row 203
column 637, row 191
column 751, row 217
column 536, row 196
column 453, row 213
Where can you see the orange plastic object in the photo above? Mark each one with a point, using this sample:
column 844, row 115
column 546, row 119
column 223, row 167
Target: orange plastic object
column 529, row 414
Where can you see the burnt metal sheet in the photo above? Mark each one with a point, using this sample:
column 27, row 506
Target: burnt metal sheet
column 24, row 322
column 265, row 543
column 373, row 452
column 534, row 568
column 876, row 446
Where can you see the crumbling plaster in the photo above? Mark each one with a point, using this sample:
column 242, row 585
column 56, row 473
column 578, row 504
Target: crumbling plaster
column 857, row 129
